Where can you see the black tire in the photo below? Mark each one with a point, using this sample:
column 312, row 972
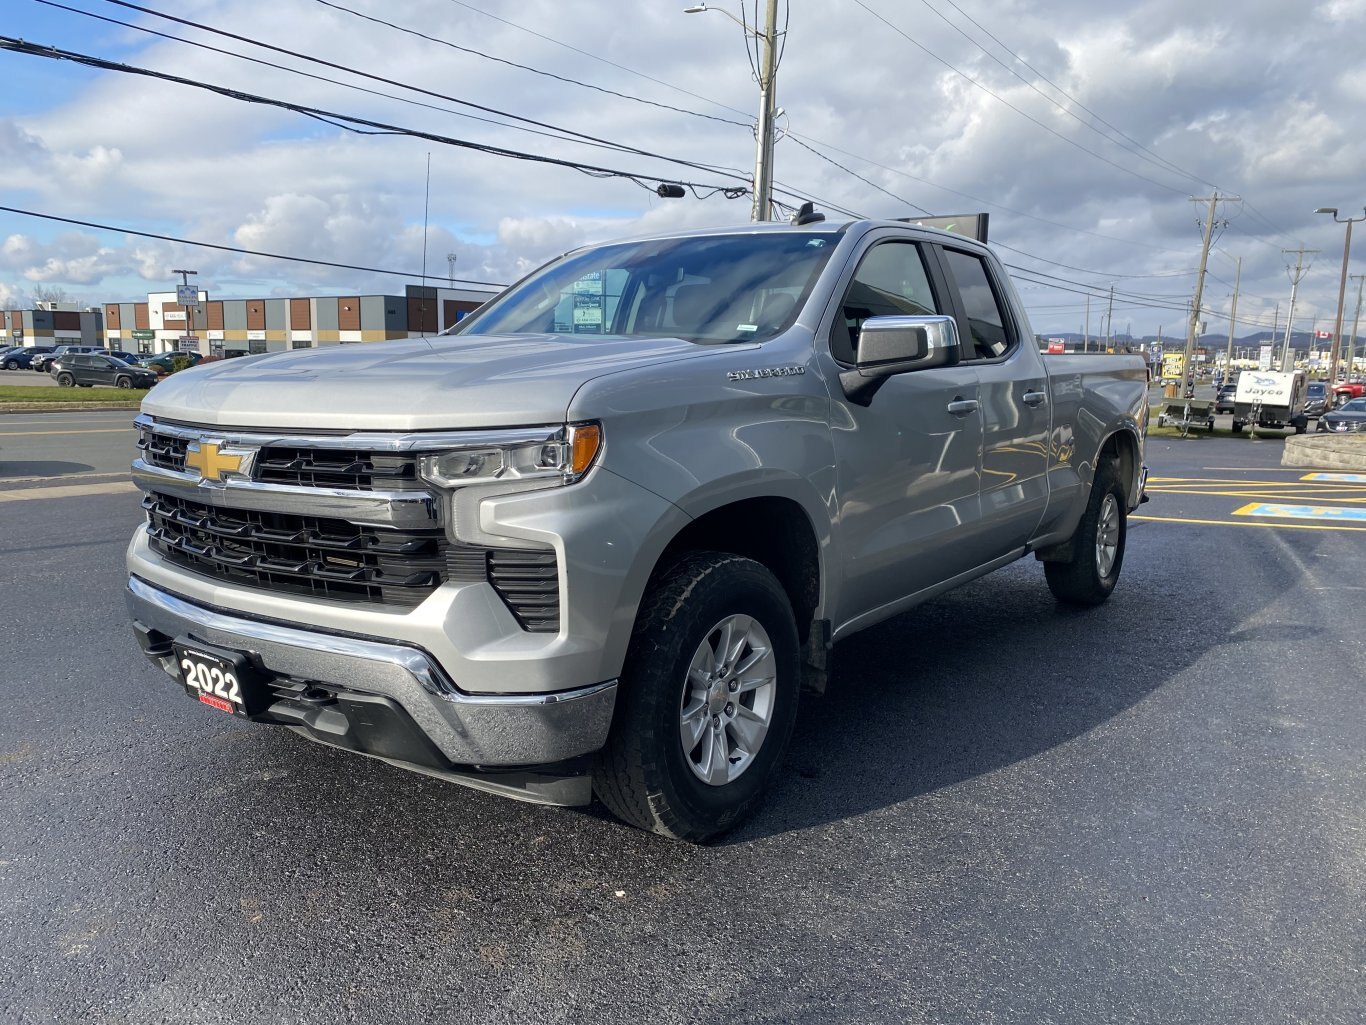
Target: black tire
column 644, row 775
column 11, row 364
column 1237, row 427
column 65, row 380
column 123, row 382
column 1088, row 577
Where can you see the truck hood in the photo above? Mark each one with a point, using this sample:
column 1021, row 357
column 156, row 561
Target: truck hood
column 417, row 384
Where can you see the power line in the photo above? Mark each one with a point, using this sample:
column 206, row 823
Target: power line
column 555, row 134
column 899, row 199
column 389, row 81
column 1000, row 99
column 233, row 249
column 527, row 67
column 350, row 121
column 596, row 57
column 1156, row 158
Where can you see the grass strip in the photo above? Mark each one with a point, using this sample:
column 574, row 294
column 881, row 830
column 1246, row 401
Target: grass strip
column 104, row 396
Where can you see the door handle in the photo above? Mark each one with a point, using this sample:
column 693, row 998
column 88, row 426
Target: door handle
column 962, row 407
column 1034, row 398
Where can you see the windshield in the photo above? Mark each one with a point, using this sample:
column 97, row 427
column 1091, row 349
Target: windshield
column 714, row 288
column 1355, row 406
column 1317, row 390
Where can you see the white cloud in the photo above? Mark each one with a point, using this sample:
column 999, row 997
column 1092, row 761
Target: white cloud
column 1226, row 99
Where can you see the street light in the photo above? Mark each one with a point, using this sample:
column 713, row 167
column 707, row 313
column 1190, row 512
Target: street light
column 763, row 151
column 1335, row 352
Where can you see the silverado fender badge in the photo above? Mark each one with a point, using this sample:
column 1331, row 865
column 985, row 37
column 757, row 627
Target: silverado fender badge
column 754, row 375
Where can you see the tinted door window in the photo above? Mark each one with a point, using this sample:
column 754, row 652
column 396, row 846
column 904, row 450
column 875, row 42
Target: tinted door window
column 987, row 325
column 891, row 281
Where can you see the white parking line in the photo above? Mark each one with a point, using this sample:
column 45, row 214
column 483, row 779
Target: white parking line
column 68, row 491
column 81, row 476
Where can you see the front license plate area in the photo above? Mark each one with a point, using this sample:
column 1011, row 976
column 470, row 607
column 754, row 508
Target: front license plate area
column 215, row 677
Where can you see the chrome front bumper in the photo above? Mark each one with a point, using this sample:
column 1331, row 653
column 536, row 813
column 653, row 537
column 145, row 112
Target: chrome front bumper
column 471, row 731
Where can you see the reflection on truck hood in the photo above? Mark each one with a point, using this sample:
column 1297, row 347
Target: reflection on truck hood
column 416, row 384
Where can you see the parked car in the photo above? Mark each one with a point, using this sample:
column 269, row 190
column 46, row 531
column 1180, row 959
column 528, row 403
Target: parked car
column 1223, row 402
column 1350, row 416
column 43, row 363
column 1315, row 398
column 88, row 369
column 127, row 357
column 22, row 358
column 162, row 364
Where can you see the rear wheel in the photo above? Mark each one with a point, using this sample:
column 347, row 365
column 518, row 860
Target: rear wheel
column 707, row 699
column 11, row 364
column 65, row 380
column 1088, row 577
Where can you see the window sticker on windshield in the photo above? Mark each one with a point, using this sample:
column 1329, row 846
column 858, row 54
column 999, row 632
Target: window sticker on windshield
column 747, row 327
column 815, row 243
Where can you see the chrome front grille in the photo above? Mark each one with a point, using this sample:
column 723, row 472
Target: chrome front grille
column 322, row 558
column 331, row 468
column 164, row 450
column 340, row 516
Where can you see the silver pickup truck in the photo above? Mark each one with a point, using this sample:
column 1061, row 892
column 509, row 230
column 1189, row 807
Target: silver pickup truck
column 595, row 541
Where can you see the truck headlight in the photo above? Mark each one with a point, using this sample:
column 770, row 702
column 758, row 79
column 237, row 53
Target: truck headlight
column 555, row 456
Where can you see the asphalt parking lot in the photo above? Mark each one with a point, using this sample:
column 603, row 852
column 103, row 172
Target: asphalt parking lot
column 1003, row 811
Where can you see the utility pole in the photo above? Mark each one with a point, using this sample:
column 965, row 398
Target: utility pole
column 1360, row 279
column 1187, row 368
column 1233, row 321
column 1109, row 322
column 763, row 155
column 1086, row 330
column 1296, row 277
column 768, row 69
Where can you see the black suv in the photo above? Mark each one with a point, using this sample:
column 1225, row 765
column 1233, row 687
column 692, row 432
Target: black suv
column 89, row 368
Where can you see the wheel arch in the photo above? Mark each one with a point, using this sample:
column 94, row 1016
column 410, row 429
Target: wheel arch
column 1124, row 446
column 773, row 530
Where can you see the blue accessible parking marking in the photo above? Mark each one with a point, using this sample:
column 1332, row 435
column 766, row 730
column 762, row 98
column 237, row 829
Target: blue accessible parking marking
column 1302, row 512
column 1345, row 478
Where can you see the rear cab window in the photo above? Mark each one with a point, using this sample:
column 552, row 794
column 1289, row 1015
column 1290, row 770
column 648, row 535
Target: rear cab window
column 990, row 333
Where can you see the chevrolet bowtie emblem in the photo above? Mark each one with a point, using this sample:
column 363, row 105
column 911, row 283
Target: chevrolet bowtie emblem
column 211, row 462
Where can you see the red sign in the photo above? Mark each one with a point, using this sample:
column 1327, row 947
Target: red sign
column 1055, row 347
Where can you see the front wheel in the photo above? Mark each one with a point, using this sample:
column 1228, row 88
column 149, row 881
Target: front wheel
column 65, row 380
column 11, row 364
column 1088, row 577
column 124, row 382
column 706, row 702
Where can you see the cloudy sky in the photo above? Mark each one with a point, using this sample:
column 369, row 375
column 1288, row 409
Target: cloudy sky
column 1083, row 129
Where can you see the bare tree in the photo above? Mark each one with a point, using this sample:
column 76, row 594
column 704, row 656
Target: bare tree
column 51, row 294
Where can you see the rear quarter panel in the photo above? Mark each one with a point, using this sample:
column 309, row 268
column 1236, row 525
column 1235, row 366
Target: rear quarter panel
column 1094, row 397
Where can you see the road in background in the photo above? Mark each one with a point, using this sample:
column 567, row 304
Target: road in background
column 1003, row 811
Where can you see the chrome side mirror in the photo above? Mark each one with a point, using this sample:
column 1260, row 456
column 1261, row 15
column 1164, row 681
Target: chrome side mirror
column 898, row 345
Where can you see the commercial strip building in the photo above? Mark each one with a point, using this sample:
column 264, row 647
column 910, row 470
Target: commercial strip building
column 224, row 326
column 52, row 324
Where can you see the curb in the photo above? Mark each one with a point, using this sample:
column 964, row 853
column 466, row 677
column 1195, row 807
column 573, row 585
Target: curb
column 63, row 407
column 1325, row 451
